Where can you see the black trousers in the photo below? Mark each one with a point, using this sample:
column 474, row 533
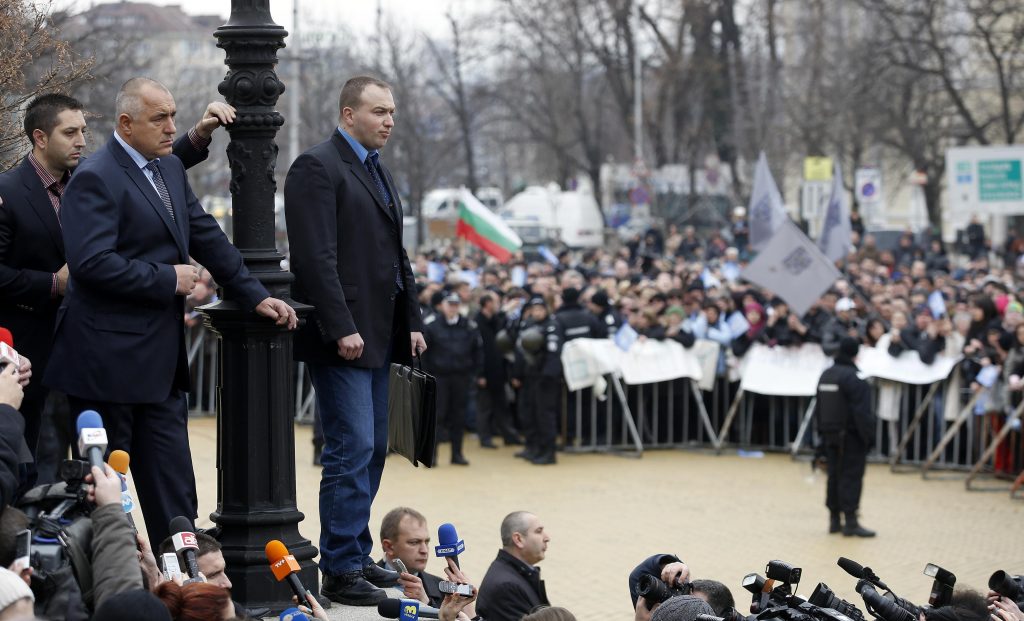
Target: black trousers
column 493, row 414
column 452, row 397
column 846, row 463
column 155, row 436
column 541, row 413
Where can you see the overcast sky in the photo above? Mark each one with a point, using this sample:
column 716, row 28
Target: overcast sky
column 359, row 15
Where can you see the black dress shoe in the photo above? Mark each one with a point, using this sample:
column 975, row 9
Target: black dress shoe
column 459, row 460
column 513, row 441
column 544, row 460
column 352, row 589
column 380, row 577
column 524, row 454
column 488, row 444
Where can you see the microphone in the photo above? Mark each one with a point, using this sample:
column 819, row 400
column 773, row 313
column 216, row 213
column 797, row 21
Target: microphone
column 449, row 543
column 7, row 353
column 92, row 437
column 295, row 614
column 406, row 610
column 185, row 544
column 119, row 460
column 285, row 567
column 857, row 570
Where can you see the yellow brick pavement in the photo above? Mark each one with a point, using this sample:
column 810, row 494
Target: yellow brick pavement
column 725, row 515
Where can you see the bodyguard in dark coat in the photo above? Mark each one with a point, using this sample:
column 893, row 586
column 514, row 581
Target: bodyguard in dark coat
column 456, row 359
column 492, row 403
column 846, row 425
column 538, row 369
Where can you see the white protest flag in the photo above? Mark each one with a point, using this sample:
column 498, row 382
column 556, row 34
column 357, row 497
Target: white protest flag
column 792, row 267
column 766, row 211
column 835, row 240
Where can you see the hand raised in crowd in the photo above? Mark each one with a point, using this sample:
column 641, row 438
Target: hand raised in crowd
column 279, row 311
column 1005, row 609
column 24, row 371
column 105, row 488
column 457, row 606
column 412, row 587
column 147, row 562
column 11, row 390
column 675, row 573
column 188, row 276
column 217, row 114
column 313, row 607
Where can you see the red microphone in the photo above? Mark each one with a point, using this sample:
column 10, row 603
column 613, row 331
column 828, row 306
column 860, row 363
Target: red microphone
column 7, row 353
column 285, row 567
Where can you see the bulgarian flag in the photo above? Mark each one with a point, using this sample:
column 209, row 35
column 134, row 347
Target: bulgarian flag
column 484, row 229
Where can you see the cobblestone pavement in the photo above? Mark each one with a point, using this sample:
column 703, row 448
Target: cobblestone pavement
column 726, row 516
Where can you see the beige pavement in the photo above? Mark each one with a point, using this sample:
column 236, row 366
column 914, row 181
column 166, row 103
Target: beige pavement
column 724, row 515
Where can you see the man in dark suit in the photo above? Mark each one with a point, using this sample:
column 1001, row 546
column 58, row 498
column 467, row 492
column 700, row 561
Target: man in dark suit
column 130, row 224
column 404, row 537
column 33, row 271
column 345, row 237
column 512, row 586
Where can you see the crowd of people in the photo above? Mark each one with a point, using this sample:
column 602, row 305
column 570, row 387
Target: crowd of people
column 99, row 282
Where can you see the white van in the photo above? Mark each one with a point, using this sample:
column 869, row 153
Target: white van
column 570, row 217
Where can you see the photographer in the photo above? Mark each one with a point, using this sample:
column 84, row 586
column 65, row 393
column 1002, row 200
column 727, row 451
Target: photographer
column 12, row 429
column 672, row 571
column 115, row 564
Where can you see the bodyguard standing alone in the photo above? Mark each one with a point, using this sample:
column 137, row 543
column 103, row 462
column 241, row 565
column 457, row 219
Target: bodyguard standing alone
column 345, row 235
column 846, row 426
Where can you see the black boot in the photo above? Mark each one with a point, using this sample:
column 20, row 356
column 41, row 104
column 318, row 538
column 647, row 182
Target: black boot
column 352, row 589
column 853, row 529
column 834, row 523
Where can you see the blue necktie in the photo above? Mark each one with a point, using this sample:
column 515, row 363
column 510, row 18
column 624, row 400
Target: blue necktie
column 161, row 187
column 382, row 188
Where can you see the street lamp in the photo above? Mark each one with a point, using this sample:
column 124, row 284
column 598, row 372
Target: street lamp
column 255, row 417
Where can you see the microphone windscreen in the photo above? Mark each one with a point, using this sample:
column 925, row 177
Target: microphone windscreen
column 295, row 615
column 89, row 419
column 181, row 524
column 6, row 337
column 390, row 608
column 446, row 534
column 275, row 551
column 853, row 568
column 119, row 460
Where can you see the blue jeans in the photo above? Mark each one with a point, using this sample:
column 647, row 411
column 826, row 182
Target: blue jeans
column 354, row 413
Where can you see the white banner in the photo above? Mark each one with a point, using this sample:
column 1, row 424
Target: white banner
column 907, row 368
column 783, row 371
column 584, row 361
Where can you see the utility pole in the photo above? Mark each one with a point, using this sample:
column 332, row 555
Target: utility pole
column 295, row 87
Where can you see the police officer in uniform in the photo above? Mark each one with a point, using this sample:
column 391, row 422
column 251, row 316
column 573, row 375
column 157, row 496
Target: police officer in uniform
column 455, row 358
column 578, row 323
column 538, row 370
column 846, row 427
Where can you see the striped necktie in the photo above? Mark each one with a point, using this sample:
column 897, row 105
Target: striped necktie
column 161, row 187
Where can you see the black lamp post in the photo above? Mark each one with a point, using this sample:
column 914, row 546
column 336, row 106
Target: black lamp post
column 255, row 412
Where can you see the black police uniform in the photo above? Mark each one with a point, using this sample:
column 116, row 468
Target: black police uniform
column 455, row 357
column 846, row 426
column 541, row 374
column 579, row 323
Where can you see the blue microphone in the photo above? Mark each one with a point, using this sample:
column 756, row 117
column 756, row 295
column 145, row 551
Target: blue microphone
column 449, row 543
column 406, row 609
column 92, row 438
column 295, row 615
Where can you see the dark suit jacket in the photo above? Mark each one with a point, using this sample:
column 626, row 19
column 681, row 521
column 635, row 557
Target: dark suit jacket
column 12, row 427
column 119, row 335
column 431, row 584
column 510, row 590
column 345, row 247
column 31, row 250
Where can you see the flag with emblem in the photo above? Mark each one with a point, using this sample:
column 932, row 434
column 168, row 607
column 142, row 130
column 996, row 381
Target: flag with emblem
column 836, row 232
column 793, row 268
column 766, row 211
column 484, row 229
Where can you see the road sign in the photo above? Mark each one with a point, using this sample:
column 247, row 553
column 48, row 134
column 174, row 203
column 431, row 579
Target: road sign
column 985, row 180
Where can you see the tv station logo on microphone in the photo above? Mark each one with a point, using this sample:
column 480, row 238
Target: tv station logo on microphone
column 449, row 549
column 185, row 540
column 94, row 435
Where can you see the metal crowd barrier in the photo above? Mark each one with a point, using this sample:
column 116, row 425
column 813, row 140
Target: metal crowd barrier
column 668, row 415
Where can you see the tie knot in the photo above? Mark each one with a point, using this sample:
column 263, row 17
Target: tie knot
column 371, row 158
column 151, row 166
